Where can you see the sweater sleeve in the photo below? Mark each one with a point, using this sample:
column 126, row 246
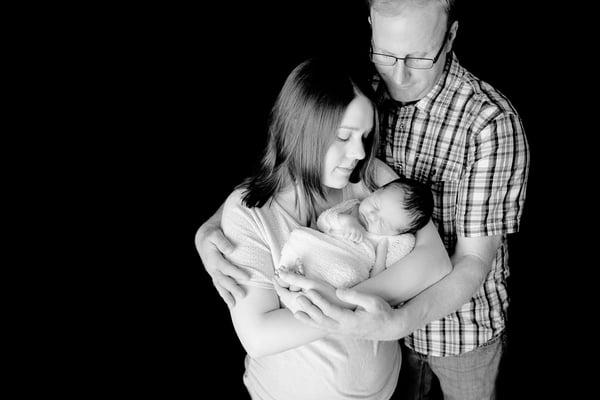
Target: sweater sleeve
column 244, row 228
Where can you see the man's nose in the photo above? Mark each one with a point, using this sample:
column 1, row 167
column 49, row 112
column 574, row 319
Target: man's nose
column 400, row 73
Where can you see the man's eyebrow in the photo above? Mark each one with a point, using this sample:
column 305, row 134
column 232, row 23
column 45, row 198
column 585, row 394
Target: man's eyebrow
column 415, row 54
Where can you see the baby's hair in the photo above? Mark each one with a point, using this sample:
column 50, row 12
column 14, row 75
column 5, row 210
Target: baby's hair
column 418, row 201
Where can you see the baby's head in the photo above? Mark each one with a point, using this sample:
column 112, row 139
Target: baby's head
column 401, row 206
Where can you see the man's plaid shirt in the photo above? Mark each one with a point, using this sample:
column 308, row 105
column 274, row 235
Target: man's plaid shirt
column 466, row 141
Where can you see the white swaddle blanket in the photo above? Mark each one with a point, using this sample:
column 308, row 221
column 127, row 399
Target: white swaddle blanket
column 339, row 261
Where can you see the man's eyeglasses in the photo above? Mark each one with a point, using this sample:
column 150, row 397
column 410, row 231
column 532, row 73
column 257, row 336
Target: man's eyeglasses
column 411, row 62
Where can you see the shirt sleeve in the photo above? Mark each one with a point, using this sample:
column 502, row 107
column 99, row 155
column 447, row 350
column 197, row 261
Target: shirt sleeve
column 243, row 227
column 491, row 193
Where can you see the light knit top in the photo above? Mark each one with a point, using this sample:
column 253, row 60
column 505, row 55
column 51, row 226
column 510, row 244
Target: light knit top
column 331, row 368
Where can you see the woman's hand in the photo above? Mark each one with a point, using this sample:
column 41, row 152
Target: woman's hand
column 212, row 244
column 291, row 282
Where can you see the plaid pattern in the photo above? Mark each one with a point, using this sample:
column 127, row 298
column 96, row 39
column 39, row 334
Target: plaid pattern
column 466, row 141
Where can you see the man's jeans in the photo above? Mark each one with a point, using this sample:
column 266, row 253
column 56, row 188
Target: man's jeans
column 467, row 376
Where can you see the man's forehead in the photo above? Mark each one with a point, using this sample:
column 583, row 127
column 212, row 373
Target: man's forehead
column 428, row 17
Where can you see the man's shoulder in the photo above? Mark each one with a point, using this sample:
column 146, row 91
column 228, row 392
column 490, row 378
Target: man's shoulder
column 482, row 96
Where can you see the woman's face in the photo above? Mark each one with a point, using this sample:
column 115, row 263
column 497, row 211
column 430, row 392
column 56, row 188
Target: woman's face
column 347, row 149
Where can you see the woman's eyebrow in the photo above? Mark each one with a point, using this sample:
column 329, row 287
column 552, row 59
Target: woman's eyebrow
column 350, row 128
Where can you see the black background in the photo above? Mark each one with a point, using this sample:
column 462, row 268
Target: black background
column 196, row 91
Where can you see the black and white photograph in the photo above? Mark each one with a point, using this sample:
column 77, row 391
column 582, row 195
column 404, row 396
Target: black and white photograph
column 359, row 200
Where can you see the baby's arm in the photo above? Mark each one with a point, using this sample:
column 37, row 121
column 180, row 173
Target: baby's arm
column 380, row 257
column 348, row 227
column 342, row 220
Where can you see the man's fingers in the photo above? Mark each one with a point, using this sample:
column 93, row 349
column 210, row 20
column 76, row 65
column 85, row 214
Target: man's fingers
column 230, row 285
column 314, row 313
column 226, row 296
column 226, row 268
column 328, row 309
column 304, row 318
column 221, row 242
column 368, row 302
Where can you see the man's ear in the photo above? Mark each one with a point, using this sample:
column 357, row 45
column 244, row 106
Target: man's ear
column 369, row 19
column 452, row 33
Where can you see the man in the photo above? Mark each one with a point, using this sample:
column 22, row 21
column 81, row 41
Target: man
column 444, row 127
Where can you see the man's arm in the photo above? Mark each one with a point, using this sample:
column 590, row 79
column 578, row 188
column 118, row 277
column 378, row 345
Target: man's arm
column 211, row 244
column 426, row 264
column 472, row 262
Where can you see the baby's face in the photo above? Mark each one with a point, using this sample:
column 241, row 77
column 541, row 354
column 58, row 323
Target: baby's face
column 383, row 212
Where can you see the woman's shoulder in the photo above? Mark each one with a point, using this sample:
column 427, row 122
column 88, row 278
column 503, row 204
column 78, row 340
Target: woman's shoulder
column 383, row 173
column 235, row 210
column 234, row 201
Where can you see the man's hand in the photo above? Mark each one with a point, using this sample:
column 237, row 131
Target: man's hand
column 373, row 318
column 212, row 244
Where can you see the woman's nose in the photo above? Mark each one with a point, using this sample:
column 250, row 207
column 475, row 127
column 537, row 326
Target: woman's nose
column 357, row 150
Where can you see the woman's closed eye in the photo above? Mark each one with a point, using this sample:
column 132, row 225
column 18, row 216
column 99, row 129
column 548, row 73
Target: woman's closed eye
column 344, row 135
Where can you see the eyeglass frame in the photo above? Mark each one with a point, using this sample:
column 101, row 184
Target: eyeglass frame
column 433, row 60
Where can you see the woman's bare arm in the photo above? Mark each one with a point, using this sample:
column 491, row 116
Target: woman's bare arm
column 264, row 328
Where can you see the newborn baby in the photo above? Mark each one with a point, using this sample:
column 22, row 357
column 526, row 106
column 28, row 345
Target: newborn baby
column 361, row 237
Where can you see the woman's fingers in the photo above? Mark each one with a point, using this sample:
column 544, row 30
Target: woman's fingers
column 299, row 281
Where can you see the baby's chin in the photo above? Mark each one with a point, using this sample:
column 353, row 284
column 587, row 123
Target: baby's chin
column 385, row 232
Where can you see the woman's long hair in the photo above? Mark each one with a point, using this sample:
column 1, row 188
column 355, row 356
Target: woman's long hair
column 303, row 124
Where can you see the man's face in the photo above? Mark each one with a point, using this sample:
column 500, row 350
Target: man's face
column 418, row 31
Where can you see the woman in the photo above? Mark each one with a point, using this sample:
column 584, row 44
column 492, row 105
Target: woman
column 322, row 141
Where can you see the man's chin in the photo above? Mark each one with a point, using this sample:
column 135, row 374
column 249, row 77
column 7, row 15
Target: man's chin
column 404, row 98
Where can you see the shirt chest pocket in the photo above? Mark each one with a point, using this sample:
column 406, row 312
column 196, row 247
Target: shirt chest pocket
column 435, row 168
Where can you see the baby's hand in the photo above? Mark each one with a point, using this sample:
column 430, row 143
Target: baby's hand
column 354, row 234
column 295, row 269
